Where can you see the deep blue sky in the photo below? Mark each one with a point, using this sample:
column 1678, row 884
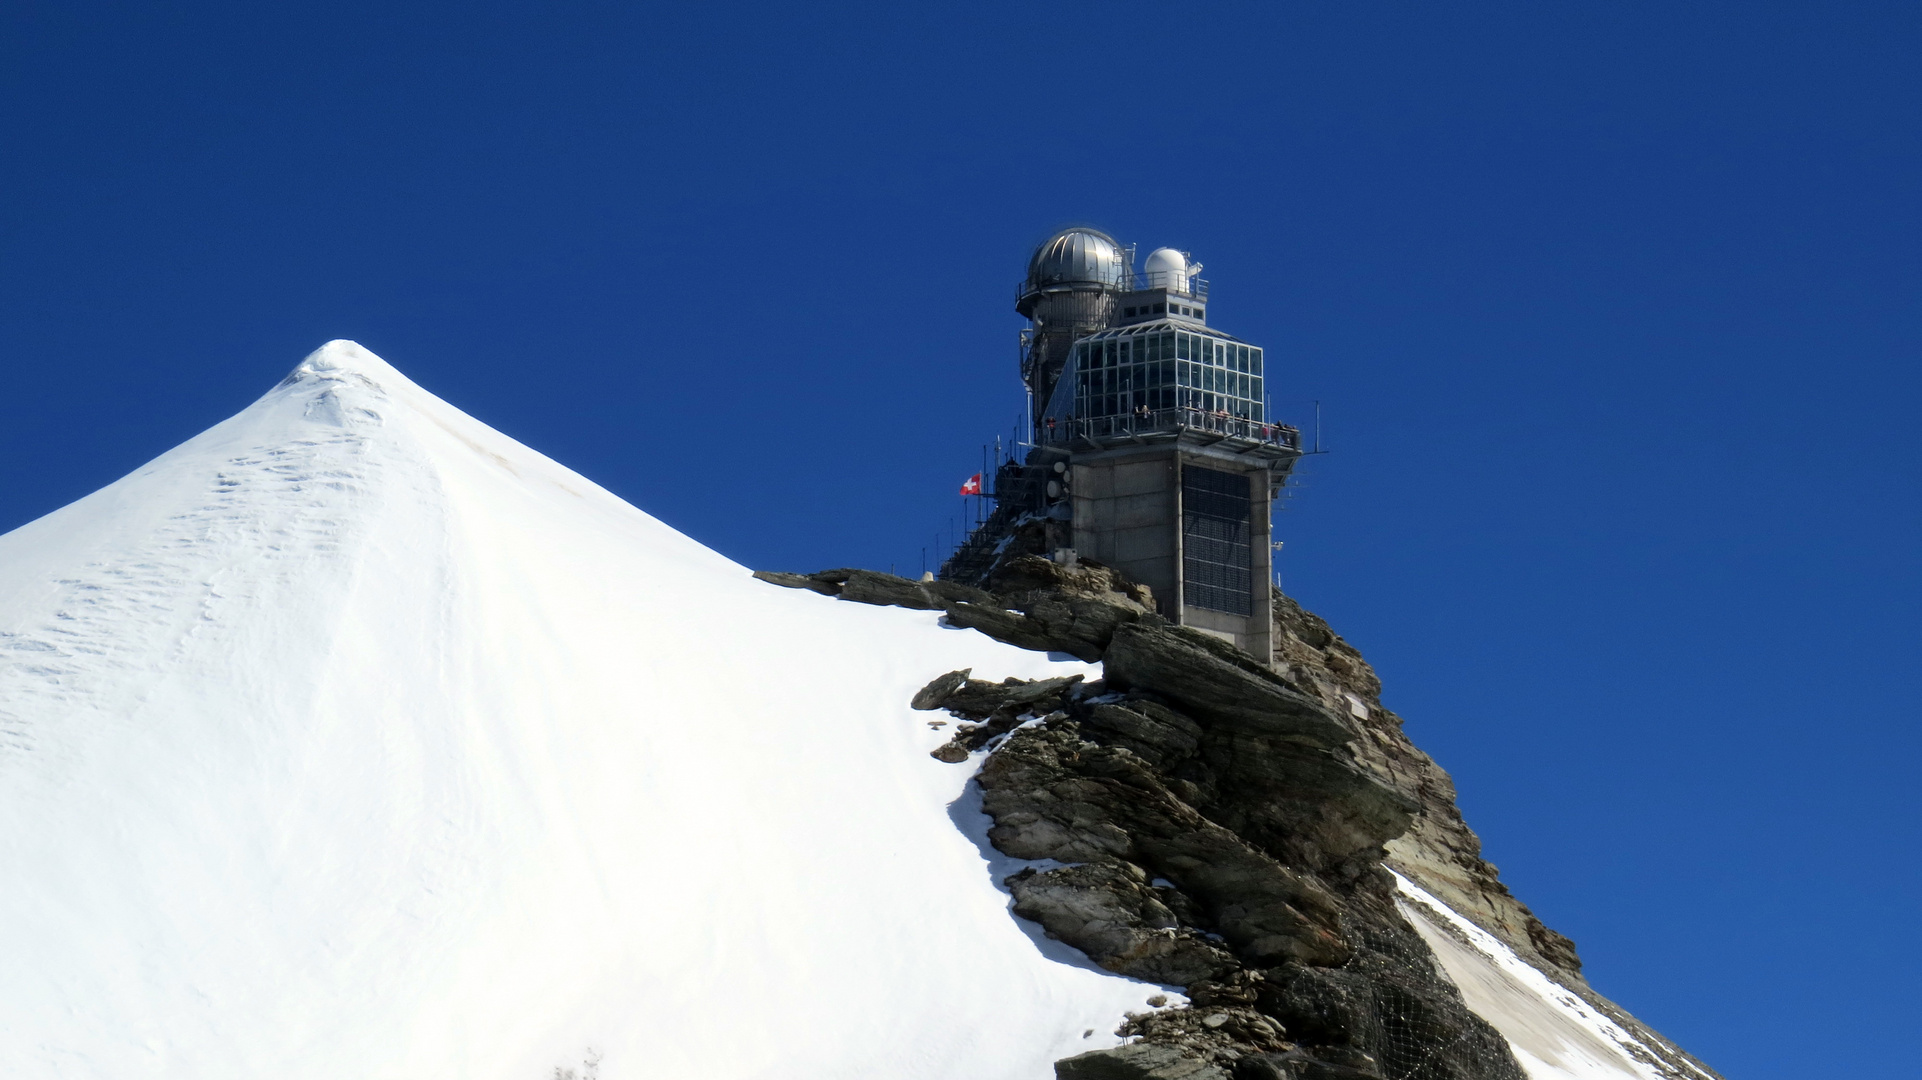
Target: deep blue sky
column 1613, row 310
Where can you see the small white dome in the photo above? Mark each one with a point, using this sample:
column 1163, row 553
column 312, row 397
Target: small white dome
column 1166, row 268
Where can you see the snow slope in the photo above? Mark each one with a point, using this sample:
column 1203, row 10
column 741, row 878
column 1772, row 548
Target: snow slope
column 355, row 739
column 1555, row 1034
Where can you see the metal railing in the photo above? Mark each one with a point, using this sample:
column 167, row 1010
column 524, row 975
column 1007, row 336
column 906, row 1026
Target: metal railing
column 1172, row 280
column 1169, row 421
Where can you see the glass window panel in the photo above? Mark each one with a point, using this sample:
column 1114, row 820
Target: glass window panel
column 1254, row 361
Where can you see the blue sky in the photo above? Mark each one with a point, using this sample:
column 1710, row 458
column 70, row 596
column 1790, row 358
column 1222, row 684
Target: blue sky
column 1612, row 311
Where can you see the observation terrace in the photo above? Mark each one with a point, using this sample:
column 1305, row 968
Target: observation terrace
column 1187, row 425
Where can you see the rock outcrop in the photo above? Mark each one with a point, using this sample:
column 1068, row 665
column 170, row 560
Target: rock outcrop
column 1224, row 823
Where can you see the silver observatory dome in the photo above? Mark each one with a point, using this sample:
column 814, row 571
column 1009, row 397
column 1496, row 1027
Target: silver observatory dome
column 1076, row 257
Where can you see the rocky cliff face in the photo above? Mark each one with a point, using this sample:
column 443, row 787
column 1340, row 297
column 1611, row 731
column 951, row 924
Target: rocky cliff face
column 1225, row 824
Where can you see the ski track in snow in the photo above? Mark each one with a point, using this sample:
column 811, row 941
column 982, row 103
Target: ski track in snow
column 63, row 659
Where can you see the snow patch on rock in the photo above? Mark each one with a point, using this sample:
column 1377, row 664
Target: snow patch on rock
column 1553, row 1032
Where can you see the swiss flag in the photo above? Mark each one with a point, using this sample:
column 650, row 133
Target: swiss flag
column 973, row 486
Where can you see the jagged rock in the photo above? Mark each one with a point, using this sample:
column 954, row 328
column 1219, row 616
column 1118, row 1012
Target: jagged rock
column 1304, row 805
column 1011, row 627
column 977, row 699
column 1230, row 988
column 1077, row 608
column 953, row 592
column 1187, row 667
column 1108, row 911
column 874, row 587
column 1295, row 1065
column 1085, row 625
column 1217, row 1033
column 952, row 752
column 1054, row 796
column 1138, row 1061
column 971, row 737
column 1153, row 731
column 1387, row 1008
column 1039, row 605
column 1054, row 609
column 1322, row 1006
column 1001, row 706
column 1027, row 579
column 936, row 694
column 797, row 581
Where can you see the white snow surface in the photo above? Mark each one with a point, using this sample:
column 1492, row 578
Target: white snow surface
column 353, row 738
column 1553, row 1032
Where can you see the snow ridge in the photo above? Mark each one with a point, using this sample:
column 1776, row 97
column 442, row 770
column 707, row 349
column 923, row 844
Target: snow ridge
column 354, row 738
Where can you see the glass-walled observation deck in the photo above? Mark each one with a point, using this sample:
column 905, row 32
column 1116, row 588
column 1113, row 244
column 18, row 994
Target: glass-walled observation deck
column 1160, row 376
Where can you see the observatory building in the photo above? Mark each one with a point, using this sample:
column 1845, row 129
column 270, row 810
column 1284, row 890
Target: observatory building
column 1151, row 449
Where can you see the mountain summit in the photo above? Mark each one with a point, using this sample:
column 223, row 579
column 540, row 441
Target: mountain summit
column 354, row 738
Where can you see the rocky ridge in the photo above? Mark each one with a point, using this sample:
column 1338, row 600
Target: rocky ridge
column 1225, row 825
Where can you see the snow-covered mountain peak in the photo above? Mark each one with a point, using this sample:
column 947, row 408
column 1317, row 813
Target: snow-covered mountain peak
column 354, row 738
column 341, row 360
